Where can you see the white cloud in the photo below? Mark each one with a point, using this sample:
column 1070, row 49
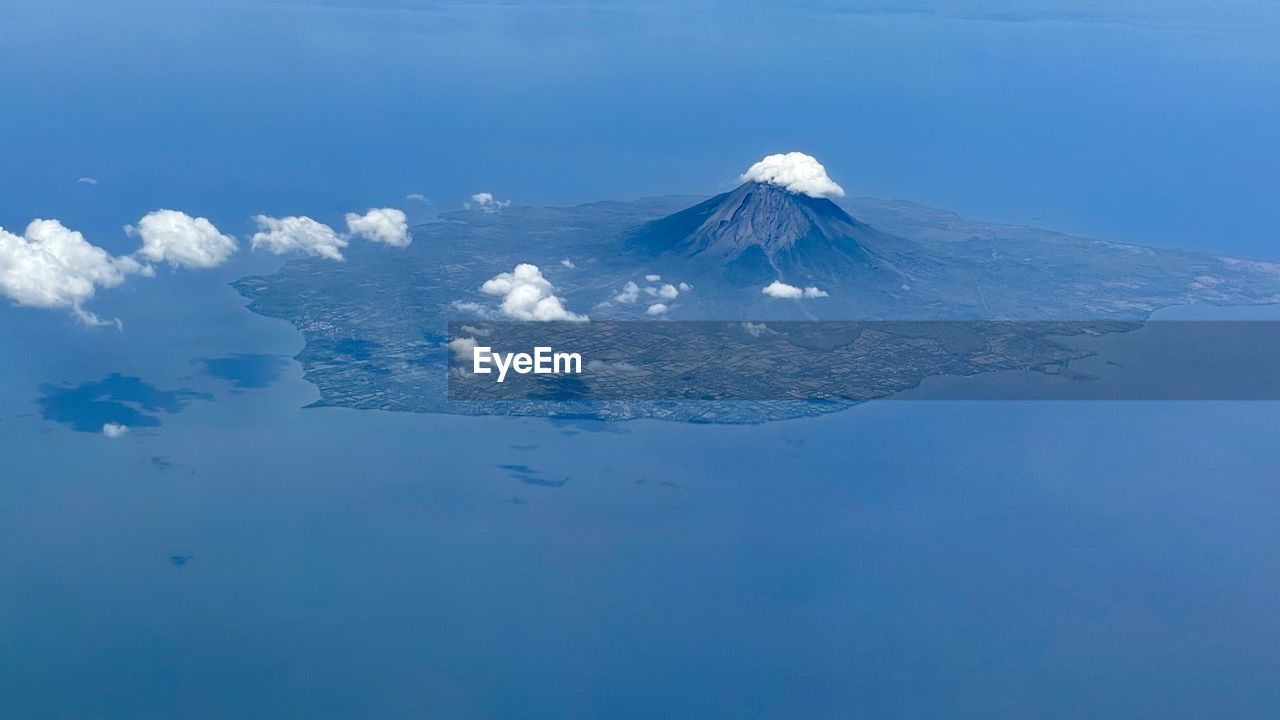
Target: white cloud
column 418, row 197
column 568, row 263
column 486, row 202
column 795, row 171
column 652, row 278
column 469, row 306
column 755, row 329
column 87, row 181
column 384, row 225
column 114, row 430
column 51, row 266
column 628, row 294
column 297, row 234
column 685, row 287
column 472, row 329
column 779, row 289
column 527, row 295
column 666, row 292
column 656, row 309
column 181, row 240
column 463, row 349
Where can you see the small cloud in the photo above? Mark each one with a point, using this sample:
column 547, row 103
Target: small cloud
column 473, row 330
column 628, row 294
column 656, row 309
column 297, row 234
column 795, row 171
column 485, row 202
column 418, row 197
column 114, row 430
column 568, row 263
column 87, row 181
column 755, row 329
column 779, row 289
column 652, row 278
column 462, row 349
column 469, row 306
column 384, row 225
column 527, row 295
column 181, row 240
column 685, row 287
column 666, row 292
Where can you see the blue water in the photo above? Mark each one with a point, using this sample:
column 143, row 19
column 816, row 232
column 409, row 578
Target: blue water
column 246, row 557
column 898, row 560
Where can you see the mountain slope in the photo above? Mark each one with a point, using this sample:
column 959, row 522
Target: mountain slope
column 760, row 232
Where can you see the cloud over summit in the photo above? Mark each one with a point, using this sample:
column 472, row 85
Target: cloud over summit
column 795, row 171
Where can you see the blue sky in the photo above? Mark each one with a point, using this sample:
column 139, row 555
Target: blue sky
column 1143, row 122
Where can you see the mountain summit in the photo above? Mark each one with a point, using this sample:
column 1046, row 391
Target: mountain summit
column 764, row 231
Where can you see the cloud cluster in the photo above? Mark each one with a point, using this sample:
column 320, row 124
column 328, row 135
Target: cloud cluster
column 301, row 234
column 527, row 295
column 661, row 293
column 665, row 292
column 297, row 234
column 783, row 291
column 795, row 171
column 486, row 202
column 385, row 225
column 181, row 240
column 51, row 266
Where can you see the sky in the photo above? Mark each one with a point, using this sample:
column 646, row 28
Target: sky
column 1141, row 122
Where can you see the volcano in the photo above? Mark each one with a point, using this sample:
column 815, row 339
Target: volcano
column 762, row 231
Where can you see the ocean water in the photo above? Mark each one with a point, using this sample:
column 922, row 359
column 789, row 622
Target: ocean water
column 245, row 557
column 249, row 558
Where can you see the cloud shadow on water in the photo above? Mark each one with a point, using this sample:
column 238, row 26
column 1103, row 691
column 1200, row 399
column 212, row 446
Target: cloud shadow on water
column 245, row 371
column 119, row 399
